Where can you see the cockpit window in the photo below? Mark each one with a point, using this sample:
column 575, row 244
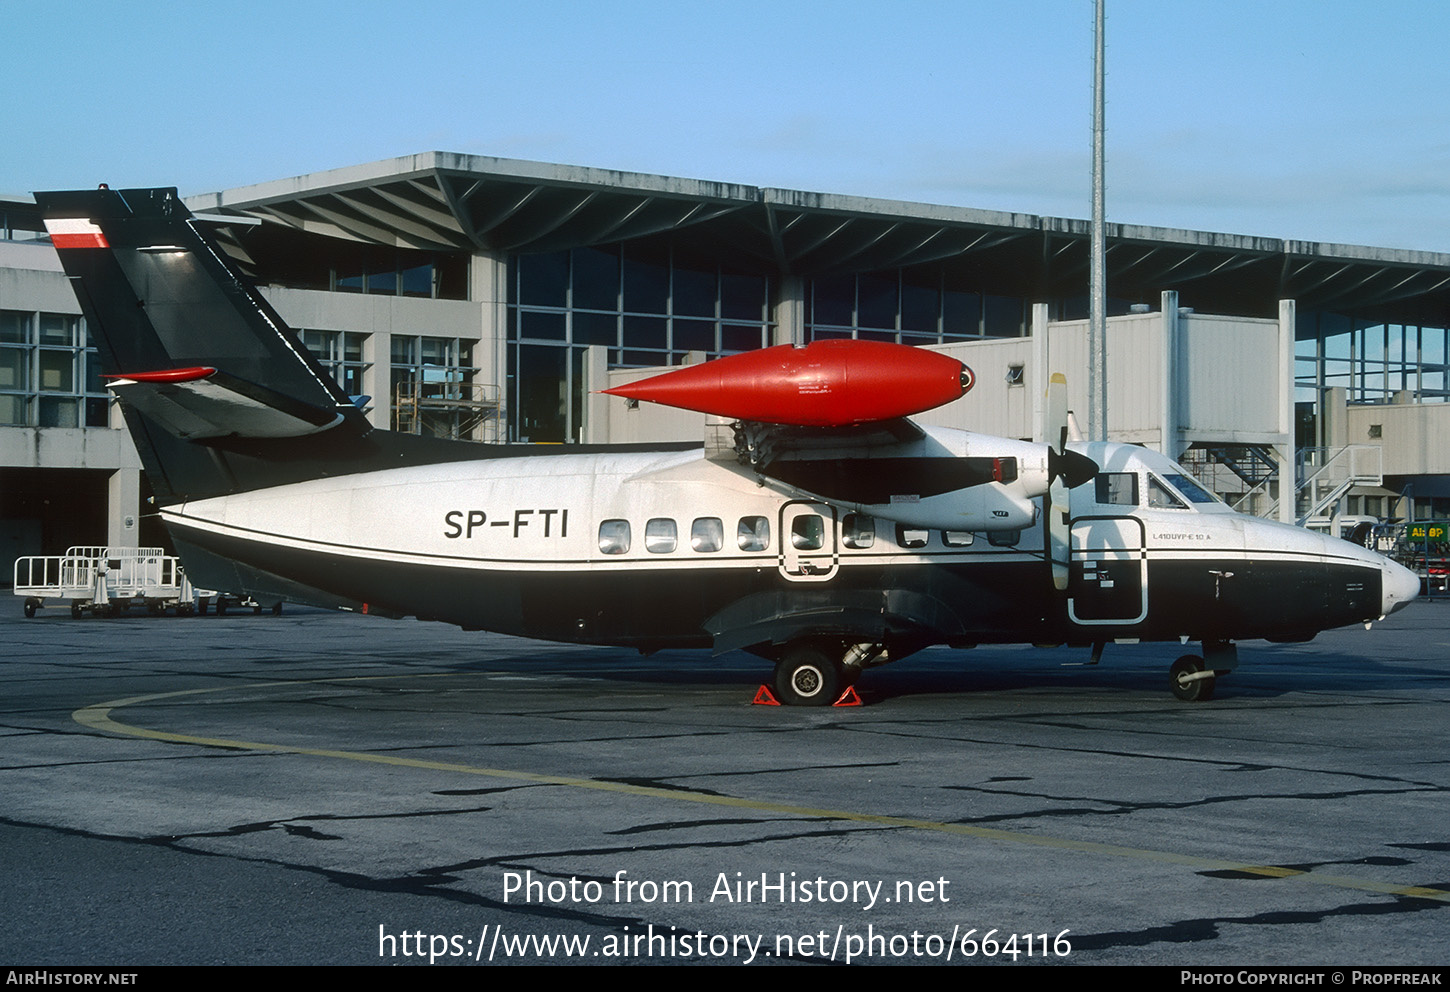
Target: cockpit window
column 1117, row 489
column 1161, row 497
column 1190, row 487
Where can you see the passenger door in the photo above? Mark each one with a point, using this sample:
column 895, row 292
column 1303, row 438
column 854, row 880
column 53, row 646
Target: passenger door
column 808, row 541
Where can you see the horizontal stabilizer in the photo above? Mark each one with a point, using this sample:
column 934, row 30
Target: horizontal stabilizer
column 202, row 403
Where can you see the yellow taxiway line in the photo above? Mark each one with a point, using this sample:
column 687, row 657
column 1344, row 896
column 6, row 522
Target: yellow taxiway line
column 98, row 717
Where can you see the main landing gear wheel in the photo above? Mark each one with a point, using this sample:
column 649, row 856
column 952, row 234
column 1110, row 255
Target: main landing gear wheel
column 1185, row 686
column 808, row 676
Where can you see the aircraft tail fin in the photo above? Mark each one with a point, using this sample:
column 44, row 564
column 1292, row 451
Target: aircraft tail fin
column 201, row 362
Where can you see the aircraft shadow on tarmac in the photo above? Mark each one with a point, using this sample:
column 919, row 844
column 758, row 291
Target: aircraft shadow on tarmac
column 1140, row 672
column 1337, row 662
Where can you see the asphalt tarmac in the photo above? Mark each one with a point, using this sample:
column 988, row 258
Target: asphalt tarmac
column 322, row 788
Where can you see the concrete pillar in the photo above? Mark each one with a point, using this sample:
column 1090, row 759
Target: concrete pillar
column 1172, row 324
column 1038, row 372
column 597, row 406
column 1284, row 447
column 790, row 311
column 377, row 378
column 123, row 508
column 488, row 287
column 1336, row 417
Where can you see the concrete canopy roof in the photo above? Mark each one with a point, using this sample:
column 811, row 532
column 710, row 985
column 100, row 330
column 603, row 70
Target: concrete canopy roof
column 454, row 202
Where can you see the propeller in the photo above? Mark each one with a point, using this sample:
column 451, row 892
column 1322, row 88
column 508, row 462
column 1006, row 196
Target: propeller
column 1066, row 470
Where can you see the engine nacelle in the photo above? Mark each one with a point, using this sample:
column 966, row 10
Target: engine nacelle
column 989, row 507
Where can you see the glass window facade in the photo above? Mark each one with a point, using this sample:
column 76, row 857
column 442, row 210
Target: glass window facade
column 49, row 372
column 429, row 378
column 917, row 306
column 341, row 354
column 303, row 260
column 648, row 304
column 1372, row 361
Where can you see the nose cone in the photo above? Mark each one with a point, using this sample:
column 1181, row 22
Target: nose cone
column 1398, row 585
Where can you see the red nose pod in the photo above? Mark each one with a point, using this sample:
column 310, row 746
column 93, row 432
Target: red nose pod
column 824, row 384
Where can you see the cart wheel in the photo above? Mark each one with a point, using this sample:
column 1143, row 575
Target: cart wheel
column 76, row 612
column 31, row 605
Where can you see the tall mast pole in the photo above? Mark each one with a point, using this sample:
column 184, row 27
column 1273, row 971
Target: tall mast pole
column 1097, row 264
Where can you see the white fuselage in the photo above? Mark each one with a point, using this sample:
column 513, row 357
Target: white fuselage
column 602, row 522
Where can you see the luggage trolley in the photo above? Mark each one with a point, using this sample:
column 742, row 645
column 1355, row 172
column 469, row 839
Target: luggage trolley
column 105, row 580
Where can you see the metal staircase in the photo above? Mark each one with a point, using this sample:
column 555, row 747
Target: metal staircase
column 1327, row 474
column 1253, row 463
column 1323, row 476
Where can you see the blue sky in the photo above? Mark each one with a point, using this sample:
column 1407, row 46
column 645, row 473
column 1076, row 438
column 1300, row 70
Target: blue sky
column 1309, row 120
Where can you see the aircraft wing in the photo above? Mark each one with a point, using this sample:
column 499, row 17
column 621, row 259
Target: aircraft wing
column 828, row 422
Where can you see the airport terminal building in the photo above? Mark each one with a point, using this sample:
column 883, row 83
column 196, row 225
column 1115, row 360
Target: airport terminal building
column 489, row 299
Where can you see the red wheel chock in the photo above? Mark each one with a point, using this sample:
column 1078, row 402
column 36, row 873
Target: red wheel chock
column 764, row 697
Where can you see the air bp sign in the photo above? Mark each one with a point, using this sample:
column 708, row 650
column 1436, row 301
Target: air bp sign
column 1418, row 533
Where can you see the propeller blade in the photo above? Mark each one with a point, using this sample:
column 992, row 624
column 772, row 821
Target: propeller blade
column 1057, row 412
column 1059, row 533
column 1066, row 470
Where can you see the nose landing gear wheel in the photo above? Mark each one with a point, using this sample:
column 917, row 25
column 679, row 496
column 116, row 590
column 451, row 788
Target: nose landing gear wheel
column 1186, row 686
column 808, row 676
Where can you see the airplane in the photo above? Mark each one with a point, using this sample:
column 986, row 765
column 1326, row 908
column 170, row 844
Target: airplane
column 817, row 526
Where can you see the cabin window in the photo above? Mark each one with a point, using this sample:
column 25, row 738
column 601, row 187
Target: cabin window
column 1189, row 487
column 858, row 530
column 956, row 538
column 753, row 534
column 911, row 537
column 808, row 532
column 660, row 536
column 1161, row 497
column 614, row 537
column 1004, row 538
column 707, row 534
column 1117, row 489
